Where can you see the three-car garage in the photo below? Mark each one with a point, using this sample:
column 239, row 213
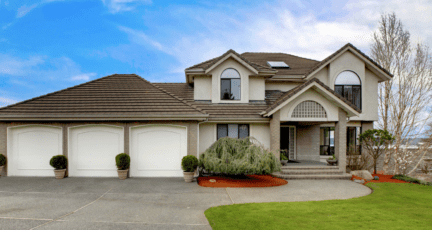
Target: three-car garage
column 155, row 150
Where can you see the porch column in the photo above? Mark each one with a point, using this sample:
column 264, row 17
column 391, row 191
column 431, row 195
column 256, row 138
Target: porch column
column 275, row 134
column 340, row 139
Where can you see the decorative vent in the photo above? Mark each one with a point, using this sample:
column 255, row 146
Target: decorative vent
column 309, row 109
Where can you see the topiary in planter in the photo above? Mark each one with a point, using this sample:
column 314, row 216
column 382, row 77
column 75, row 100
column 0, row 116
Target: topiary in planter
column 122, row 161
column 189, row 163
column 2, row 160
column 59, row 162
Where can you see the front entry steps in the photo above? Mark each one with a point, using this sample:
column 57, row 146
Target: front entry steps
column 311, row 173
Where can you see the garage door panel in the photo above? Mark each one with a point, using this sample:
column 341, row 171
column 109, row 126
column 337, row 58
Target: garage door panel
column 156, row 151
column 159, row 157
column 30, row 149
column 93, row 150
column 91, row 144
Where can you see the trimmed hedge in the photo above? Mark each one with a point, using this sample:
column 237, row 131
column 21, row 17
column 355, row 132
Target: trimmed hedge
column 122, row 161
column 189, row 163
column 2, row 160
column 59, row 162
column 411, row 180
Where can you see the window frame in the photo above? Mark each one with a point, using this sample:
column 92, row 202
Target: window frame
column 238, row 130
column 357, row 144
column 230, row 83
column 352, row 87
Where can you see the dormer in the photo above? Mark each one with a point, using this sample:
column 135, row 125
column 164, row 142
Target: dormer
column 228, row 79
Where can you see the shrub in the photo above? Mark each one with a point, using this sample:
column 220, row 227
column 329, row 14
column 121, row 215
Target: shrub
column 2, row 160
column 239, row 156
column 122, row 161
column 189, row 163
column 59, row 162
column 376, row 178
column 411, row 180
column 283, row 156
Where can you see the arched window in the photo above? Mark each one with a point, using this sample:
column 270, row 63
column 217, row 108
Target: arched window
column 348, row 85
column 309, row 109
column 230, row 84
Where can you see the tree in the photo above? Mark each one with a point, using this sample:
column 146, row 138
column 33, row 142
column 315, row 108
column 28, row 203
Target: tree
column 404, row 100
column 376, row 142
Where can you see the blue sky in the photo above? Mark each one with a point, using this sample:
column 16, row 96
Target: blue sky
column 48, row 45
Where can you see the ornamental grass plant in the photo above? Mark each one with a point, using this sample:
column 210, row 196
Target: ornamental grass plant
column 231, row 156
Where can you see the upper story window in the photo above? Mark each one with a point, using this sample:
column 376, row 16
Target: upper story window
column 348, row 85
column 230, row 85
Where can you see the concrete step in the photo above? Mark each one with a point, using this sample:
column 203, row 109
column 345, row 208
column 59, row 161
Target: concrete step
column 324, row 167
column 344, row 176
column 312, row 171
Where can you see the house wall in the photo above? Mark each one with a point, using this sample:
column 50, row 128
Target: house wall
column 308, row 142
column 369, row 81
column 311, row 94
column 216, row 81
column 281, row 86
column 256, row 88
column 262, row 133
column 207, row 136
column 192, row 137
column 202, row 88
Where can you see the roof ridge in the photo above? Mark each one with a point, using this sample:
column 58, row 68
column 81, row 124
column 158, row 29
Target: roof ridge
column 279, row 53
column 172, row 95
column 59, row 91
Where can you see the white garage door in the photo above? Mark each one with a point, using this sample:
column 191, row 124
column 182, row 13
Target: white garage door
column 30, row 149
column 92, row 150
column 156, row 151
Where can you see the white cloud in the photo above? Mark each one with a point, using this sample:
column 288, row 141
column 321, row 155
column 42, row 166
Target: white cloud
column 6, row 101
column 41, row 68
column 116, row 6
column 277, row 27
column 23, row 10
column 83, row 77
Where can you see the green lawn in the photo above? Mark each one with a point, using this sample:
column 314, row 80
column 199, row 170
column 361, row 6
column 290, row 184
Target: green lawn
column 390, row 206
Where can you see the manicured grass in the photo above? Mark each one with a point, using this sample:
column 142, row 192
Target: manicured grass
column 390, row 206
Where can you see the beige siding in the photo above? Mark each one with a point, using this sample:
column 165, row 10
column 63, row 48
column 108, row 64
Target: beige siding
column 202, row 88
column 207, row 136
column 256, row 88
column 262, row 133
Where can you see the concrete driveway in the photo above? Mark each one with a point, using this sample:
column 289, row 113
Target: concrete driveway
column 146, row 203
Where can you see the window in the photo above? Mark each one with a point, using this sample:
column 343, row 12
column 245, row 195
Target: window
column 352, row 139
column 348, row 85
column 232, row 130
column 309, row 109
column 230, row 85
column 327, row 141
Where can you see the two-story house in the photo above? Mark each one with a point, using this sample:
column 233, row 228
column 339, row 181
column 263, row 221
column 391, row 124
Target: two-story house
column 309, row 108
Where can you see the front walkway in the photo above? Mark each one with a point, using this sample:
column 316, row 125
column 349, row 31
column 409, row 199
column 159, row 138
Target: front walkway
column 147, row 203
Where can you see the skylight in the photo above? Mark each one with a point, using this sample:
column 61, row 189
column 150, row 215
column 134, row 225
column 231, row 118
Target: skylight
column 277, row 64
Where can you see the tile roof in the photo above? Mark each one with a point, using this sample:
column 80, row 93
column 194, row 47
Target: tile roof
column 285, row 96
column 207, row 64
column 115, row 95
column 250, row 110
column 298, row 65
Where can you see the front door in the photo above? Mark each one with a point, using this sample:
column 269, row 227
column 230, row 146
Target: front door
column 287, row 141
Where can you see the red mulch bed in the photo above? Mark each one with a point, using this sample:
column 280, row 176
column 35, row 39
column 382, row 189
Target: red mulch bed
column 382, row 179
column 241, row 181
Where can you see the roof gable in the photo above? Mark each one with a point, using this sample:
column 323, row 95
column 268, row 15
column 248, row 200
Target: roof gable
column 375, row 67
column 114, row 96
column 321, row 88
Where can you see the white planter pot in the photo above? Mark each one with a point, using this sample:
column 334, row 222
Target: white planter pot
column 188, row 176
column 59, row 173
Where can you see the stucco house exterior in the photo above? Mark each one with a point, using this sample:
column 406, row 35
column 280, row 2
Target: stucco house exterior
column 309, row 108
